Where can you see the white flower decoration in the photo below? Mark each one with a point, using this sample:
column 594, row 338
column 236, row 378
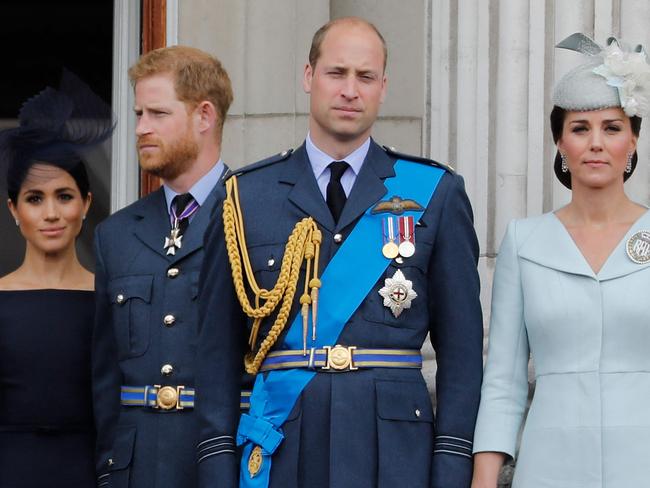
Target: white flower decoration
column 629, row 73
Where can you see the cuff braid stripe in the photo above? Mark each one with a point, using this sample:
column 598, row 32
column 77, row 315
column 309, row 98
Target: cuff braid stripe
column 214, row 446
column 223, row 451
column 445, row 451
column 453, row 446
column 213, row 439
column 450, row 438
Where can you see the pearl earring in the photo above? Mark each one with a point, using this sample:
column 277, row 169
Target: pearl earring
column 17, row 223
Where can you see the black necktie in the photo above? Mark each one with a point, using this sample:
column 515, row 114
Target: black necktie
column 180, row 203
column 335, row 193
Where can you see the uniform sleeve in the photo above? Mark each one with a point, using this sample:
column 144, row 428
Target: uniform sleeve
column 222, row 328
column 456, row 332
column 505, row 388
column 106, row 375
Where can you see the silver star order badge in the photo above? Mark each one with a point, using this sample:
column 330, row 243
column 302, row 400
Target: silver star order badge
column 398, row 293
column 173, row 242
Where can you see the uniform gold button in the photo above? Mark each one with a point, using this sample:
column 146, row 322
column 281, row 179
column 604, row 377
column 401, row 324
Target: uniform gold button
column 167, row 369
column 417, row 412
column 338, row 238
column 399, row 260
column 111, row 462
column 173, row 272
column 270, row 262
column 119, row 299
column 169, row 320
column 284, row 153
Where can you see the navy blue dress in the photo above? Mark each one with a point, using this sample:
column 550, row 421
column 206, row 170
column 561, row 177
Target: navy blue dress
column 46, row 423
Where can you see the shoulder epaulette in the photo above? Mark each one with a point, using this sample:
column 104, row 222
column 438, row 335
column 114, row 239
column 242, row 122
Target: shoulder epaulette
column 419, row 159
column 261, row 164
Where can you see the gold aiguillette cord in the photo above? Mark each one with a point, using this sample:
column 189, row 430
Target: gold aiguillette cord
column 302, row 245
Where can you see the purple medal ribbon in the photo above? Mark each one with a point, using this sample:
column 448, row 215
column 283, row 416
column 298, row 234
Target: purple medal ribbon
column 187, row 212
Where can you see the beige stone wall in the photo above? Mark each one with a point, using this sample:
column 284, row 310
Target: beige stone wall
column 264, row 45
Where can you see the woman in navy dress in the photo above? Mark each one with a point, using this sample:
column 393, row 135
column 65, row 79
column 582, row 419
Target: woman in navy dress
column 47, row 304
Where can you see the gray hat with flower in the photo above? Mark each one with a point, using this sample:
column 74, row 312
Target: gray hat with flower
column 613, row 76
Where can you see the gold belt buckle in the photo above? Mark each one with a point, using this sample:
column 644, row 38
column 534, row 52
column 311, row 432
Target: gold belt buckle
column 169, row 397
column 339, row 358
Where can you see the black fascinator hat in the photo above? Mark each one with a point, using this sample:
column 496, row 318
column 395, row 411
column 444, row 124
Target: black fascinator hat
column 55, row 127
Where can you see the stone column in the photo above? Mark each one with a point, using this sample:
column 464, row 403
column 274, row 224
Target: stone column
column 634, row 18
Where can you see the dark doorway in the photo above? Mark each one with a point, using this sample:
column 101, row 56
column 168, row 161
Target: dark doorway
column 38, row 39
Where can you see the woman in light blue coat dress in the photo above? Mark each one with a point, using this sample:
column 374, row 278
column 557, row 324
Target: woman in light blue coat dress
column 570, row 290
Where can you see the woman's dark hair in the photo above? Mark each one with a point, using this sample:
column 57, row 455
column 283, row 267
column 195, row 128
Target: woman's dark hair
column 17, row 173
column 55, row 129
column 558, row 115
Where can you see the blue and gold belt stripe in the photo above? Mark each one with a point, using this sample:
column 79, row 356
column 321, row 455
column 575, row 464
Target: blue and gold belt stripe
column 147, row 396
column 245, row 400
column 342, row 358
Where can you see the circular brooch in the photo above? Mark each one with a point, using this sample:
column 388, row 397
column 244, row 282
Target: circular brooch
column 638, row 247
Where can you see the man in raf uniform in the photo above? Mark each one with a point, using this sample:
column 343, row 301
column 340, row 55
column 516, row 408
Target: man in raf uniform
column 148, row 260
column 344, row 256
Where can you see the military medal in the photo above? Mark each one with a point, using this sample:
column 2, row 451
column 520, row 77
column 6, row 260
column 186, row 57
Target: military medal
column 407, row 239
column 398, row 293
column 638, row 247
column 174, row 241
column 390, row 249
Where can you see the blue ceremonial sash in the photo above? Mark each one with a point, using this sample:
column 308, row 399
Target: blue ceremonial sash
column 273, row 397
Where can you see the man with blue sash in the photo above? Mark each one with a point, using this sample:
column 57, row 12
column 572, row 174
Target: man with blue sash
column 344, row 255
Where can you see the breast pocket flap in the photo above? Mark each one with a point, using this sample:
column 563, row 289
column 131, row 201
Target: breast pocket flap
column 127, row 287
column 267, row 257
column 403, row 400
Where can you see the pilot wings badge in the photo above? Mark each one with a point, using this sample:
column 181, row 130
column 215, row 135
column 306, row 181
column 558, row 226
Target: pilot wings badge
column 396, row 206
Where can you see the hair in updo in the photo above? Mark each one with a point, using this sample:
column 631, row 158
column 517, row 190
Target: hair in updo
column 558, row 115
column 17, row 174
column 56, row 128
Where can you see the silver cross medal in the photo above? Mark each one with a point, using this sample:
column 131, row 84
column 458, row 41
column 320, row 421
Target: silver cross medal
column 173, row 242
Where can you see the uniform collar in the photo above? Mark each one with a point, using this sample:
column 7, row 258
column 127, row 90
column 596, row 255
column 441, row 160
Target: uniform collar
column 551, row 245
column 202, row 188
column 320, row 160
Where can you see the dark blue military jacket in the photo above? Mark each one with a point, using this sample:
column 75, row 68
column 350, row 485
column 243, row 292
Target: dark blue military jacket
column 366, row 428
column 136, row 342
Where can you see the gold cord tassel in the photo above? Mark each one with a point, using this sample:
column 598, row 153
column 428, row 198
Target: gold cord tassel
column 303, row 245
column 315, row 283
column 304, row 300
